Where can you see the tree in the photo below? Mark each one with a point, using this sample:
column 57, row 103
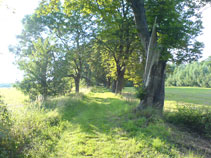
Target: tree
column 172, row 30
column 40, row 59
column 38, row 70
column 73, row 34
column 117, row 40
column 194, row 74
column 167, row 30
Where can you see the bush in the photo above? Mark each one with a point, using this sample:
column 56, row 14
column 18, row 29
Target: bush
column 192, row 117
column 30, row 131
column 140, row 93
column 36, row 131
column 7, row 146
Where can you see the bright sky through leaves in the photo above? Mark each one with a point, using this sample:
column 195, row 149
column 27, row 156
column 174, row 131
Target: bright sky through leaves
column 11, row 14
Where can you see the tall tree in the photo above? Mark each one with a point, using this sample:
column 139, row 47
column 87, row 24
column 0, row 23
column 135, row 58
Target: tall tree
column 40, row 59
column 37, row 68
column 165, row 27
column 117, row 40
column 73, row 34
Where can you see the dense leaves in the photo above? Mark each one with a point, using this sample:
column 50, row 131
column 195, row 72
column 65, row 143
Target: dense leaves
column 195, row 74
column 97, row 42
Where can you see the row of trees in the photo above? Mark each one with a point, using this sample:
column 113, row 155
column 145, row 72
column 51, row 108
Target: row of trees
column 57, row 49
column 106, row 42
column 195, row 74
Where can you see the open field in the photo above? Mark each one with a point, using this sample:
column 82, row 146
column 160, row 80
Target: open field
column 200, row 96
column 182, row 95
column 12, row 96
column 101, row 125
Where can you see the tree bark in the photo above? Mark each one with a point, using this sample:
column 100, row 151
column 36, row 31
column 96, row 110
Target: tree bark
column 154, row 88
column 120, row 80
column 77, row 84
column 154, row 74
column 108, row 83
column 114, row 86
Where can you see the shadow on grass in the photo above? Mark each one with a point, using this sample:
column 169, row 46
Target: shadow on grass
column 113, row 117
column 104, row 115
column 93, row 114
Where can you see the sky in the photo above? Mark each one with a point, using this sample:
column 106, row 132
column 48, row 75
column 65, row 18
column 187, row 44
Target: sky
column 13, row 11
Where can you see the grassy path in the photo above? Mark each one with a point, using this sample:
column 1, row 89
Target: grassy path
column 98, row 125
column 94, row 128
column 101, row 125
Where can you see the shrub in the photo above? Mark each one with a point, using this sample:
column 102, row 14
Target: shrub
column 7, row 146
column 192, row 117
column 140, row 93
column 37, row 131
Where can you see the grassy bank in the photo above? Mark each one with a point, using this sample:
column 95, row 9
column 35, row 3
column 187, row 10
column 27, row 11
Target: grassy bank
column 98, row 124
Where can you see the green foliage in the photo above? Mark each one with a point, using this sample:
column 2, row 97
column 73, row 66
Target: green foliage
column 39, row 56
column 41, row 73
column 176, row 28
column 7, row 147
column 140, row 92
column 194, row 74
column 197, row 119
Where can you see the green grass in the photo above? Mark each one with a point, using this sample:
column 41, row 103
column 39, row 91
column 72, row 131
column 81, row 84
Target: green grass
column 12, row 96
column 98, row 125
column 201, row 96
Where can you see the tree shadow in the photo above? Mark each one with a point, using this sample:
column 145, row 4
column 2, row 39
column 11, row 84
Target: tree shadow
column 104, row 115
column 93, row 115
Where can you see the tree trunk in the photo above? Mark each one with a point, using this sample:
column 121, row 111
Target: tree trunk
column 77, row 83
column 120, row 81
column 154, row 74
column 109, row 83
column 44, row 82
column 154, row 87
column 114, row 86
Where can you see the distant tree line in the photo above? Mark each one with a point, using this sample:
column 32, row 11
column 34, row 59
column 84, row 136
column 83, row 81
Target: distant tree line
column 197, row 74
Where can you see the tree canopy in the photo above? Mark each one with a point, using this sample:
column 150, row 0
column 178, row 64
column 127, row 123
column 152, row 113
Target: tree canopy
column 130, row 40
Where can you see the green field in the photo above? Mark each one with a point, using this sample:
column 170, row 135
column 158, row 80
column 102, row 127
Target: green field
column 201, row 96
column 102, row 125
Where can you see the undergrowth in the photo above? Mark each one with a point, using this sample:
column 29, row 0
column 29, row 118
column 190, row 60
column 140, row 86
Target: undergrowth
column 197, row 119
column 98, row 125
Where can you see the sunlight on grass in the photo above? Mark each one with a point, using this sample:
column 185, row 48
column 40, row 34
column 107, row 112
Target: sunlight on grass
column 105, row 95
column 97, row 125
column 193, row 95
column 12, row 96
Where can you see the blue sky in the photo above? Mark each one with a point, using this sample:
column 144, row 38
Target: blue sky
column 11, row 26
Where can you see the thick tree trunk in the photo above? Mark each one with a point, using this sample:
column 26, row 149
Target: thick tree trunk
column 154, row 75
column 154, row 87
